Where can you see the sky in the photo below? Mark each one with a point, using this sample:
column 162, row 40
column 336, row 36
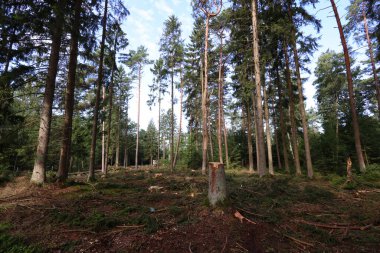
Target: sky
column 144, row 26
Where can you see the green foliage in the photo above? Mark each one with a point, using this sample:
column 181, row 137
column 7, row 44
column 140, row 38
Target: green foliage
column 15, row 244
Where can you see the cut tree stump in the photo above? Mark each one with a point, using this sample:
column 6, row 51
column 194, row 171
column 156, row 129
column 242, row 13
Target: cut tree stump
column 217, row 190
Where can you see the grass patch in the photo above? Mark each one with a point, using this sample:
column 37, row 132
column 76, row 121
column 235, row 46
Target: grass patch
column 15, row 244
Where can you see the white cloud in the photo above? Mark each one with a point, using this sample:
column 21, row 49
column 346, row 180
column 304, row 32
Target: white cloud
column 162, row 5
column 145, row 14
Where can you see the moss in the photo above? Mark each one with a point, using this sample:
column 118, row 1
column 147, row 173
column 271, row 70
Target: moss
column 15, row 244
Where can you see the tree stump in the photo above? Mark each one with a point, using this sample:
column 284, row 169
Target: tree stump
column 216, row 183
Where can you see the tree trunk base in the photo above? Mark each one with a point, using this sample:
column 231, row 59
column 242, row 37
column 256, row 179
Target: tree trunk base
column 217, row 190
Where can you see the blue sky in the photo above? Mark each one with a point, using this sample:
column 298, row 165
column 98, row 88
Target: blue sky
column 145, row 24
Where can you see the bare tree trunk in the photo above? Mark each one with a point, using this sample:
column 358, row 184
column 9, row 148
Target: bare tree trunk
column 159, row 128
column 103, row 132
column 354, row 116
column 180, row 124
column 301, row 107
column 292, row 113
column 220, row 99
column 138, row 121
column 63, row 168
column 255, row 128
column 204, row 102
column 277, row 145
column 376, row 79
column 172, row 126
column 39, row 173
column 282, row 124
column 110, row 94
column 225, row 141
column 210, row 138
column 126, row 138
column 91, row 174
column 260, row 129
column 267, row 128
column 117, row 155
column 249, row 140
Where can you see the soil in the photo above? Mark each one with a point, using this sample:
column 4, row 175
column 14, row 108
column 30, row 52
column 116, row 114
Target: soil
column 124, row 213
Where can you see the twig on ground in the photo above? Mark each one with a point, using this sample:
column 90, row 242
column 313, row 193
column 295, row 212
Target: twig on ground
column 225, row 244
column 131, row 226
column 77, row 230
column 303, row 243
column 238, row 215
column 190, row 248
column 248, row 212
column 335, row 225
column 244, row 249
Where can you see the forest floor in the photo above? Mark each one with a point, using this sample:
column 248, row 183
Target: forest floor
column 158, row 211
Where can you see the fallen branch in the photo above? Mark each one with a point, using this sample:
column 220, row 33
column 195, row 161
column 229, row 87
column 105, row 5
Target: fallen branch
column 130, row 226
column 225, row 244
column 238, row 215
column 254, row 214
column 303, row 243
column 334, row 226
column 77, row 230
column 190, row 248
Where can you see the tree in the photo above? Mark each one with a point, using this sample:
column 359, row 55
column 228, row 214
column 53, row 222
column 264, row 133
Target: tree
column 99, row 81
column 136, row 60
column 210, row 9
column 355, row 122
column 171, row 48
column 158, row 88
column 259, row 110
column 38, row 175
column 63, row 168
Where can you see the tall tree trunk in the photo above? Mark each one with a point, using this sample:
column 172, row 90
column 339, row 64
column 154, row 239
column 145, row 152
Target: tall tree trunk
column 172, row 125
column 159, row 127
column 267, row 128
column 126, row 137
column 220, row 99
column 276, row 143
column 180, row 124
column 91, row 174
column 354, row 116
column 138, row 121
column 249, row 140
column 292, row 113
column 255, row 128
column 104, row 132
column 117, row 154
column 301, row 107
column 39, row 173
column 376, row 79
column 256, row 56
column 225, row 141
column 204, row 102
column 110, row 94
column 282, row 124
column 63, row 169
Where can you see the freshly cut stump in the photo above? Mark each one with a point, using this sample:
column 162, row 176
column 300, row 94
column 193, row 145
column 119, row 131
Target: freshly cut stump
column 216, row 183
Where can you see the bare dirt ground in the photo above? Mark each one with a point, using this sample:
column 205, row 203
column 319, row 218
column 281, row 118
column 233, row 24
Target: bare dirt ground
column 157, row 211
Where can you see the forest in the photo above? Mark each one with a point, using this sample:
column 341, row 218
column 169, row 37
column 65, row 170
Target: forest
column 234, row 158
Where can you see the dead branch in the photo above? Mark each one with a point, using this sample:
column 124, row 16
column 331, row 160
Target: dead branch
column 238, row 215
column 298, row 241
column 225, row 244
column 77, row 230
column 335, row 225
column 190, row 248
column 254, row 214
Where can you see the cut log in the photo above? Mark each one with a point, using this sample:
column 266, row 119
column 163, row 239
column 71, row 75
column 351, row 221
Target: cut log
column 216, row 183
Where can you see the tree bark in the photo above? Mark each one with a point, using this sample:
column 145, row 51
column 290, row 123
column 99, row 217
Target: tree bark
column 282, row 124
column 217, row 189
column 249, row 140
column 63, row 168
column 260, row 129
column 180, row 124
column 110, row 94
column 126, row 137
column 220, row 99
column 267, row 128
column 204, row 102
column 138, row 121
column 39, row 170
column 301, row 107
column 159, row 128
column 172, row 125
column 376, row 79
column 91, row 174
column 117, row 155
column 103, row 132
column 292, row 113
column 354, row 116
